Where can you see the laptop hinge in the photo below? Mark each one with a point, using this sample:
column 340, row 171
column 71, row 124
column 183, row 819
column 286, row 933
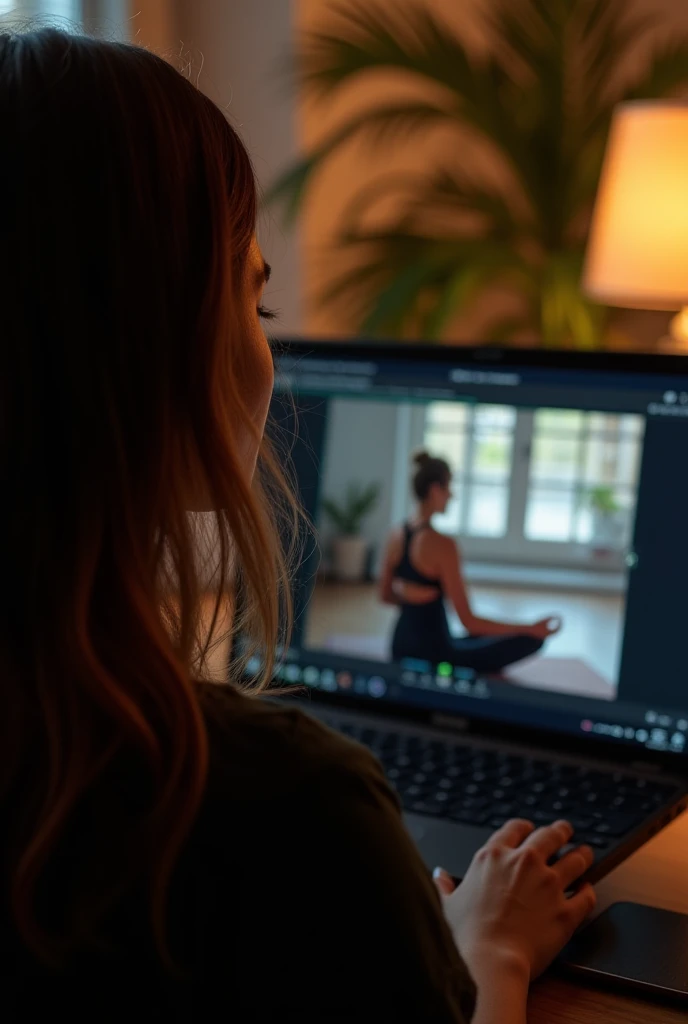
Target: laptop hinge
column 450, row 722
column 644, row 766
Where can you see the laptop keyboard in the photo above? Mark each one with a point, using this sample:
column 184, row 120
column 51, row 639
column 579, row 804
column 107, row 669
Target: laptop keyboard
column 488, row 787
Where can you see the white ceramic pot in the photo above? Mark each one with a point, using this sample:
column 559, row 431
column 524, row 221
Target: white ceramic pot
column 608, row 528
column 349, row 557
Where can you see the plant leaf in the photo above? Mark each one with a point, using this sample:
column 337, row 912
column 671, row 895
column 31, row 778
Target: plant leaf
column 504, row 328
column 567, row 317
column 489, row 264
column 385, row 124
column 666, row 75
column 348, row 515
column 365, row 39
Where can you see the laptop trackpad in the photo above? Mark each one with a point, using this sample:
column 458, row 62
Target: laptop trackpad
column 444, row 844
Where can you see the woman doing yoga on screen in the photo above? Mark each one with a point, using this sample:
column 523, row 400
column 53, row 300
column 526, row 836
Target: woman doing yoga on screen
column 422, row 568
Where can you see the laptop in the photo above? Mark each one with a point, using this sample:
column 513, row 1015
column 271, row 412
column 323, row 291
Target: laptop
column 570, row 502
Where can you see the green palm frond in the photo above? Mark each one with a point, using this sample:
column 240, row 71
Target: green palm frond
column 383, row 125
column 407, row 267
column 396, row 273
column 358, row 502
column 566, row 316
column 411, row 40
column 441, row 195
column 445, row 192
column 489, row 265
column 505, row 328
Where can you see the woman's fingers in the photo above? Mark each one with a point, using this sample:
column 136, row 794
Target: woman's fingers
column 512, row 834
column 581, row 906
column 573, row 865
column 548, row 841
column 444, row 881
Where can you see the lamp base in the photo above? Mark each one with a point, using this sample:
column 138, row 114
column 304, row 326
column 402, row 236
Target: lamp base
column 668, row 346
column 677, row 341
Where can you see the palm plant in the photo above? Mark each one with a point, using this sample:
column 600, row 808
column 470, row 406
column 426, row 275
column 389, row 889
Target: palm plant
column 348, row 515
column 542, row 101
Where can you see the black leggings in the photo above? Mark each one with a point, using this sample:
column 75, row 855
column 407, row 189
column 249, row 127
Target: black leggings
column 422, row 633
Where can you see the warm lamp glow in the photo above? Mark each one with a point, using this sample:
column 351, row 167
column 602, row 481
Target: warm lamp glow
column 638, row 250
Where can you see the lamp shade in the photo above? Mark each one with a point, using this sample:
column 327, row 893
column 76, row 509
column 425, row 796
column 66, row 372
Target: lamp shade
column 638, row 249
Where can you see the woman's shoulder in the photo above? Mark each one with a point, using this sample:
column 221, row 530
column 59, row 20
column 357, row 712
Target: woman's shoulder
column 432, row 538
column 261, row 746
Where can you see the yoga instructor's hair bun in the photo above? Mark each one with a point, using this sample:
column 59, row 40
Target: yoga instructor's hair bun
column 429, row 471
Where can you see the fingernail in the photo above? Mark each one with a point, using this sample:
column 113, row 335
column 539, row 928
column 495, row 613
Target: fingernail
column 438, row 873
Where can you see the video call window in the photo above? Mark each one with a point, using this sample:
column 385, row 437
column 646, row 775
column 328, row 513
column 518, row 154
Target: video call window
column 542, row 509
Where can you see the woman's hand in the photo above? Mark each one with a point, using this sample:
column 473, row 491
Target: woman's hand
column 546, row 627
column 510, row 913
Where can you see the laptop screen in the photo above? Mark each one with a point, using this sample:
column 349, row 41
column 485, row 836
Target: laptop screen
column 560, row 601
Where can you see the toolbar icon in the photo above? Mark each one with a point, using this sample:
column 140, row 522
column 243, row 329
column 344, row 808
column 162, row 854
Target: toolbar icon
column 377, row 687
column 328, row 680
column 311, row 676
column 345, row 680
column 292, row 673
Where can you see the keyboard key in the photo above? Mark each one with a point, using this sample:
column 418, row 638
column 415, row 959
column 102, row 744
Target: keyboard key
column 506, row 810
column 617, row 825
column 475, row 802
column 414, row 791
column 544, row 817
column 561, row 807
column 580, row 823
column 597, row 842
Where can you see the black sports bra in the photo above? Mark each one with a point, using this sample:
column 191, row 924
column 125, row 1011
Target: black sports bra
column 405, row 570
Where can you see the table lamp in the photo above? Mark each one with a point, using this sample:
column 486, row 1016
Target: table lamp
column 638, row 249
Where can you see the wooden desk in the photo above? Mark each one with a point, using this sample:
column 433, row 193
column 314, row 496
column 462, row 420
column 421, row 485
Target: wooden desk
column 657, row 875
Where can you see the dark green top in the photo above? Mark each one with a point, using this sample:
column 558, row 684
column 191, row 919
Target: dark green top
column 299, row 897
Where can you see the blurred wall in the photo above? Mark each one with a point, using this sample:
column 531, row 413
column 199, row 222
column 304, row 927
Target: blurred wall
column 235, row 50
column 152, row 23
column 335, row 186
column 360, row 450
column 238, row 49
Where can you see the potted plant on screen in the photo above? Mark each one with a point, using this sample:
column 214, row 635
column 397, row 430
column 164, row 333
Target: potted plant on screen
column 607, row 517
column 349, row 548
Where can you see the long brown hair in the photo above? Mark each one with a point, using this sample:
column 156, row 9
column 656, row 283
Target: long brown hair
column 129, row 205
